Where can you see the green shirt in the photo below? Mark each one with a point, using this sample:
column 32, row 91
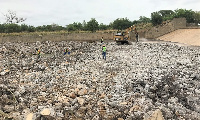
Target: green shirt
column 104, row 49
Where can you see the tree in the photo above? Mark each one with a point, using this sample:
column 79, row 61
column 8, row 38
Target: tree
column 84, row 25
column 70, row 28
column 166, row 14
column 92, row 25
column 188, row 14
column 135, row 22
column 103, row 27
column 197, row 17
column 156, row 18
column 11, row 17
column 49, row 28
column 56, row 27
column 31, row 28
column 77, row 26
column 2, row 28
column 121, row 23
column 144, row 19
column 24, row 27
column 10, row 28
column 52, row 27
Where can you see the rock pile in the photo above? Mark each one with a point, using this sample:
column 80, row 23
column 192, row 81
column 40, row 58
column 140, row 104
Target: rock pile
column 139, row 81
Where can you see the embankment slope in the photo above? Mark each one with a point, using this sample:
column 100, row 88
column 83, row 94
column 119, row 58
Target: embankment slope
column 186, row 36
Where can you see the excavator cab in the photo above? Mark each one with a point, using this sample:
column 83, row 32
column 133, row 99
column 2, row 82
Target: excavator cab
column 121, row 37
column 124, row 36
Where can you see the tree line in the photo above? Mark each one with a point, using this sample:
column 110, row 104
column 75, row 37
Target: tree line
column 163, row 15
column 12, row 22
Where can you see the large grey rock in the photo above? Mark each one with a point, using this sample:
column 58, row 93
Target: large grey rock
column 8, row 108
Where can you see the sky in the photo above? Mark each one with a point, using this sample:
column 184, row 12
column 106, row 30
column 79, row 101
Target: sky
column 64, row 12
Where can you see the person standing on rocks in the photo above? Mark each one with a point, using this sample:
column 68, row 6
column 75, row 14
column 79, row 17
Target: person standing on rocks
column 136, row 36
column 38, row 52
column 102, row 40
column 104, row 52
column 66, row 51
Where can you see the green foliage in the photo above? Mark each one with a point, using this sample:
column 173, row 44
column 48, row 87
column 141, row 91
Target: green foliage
column 70, row 28
column 92, row 25
column 156, row 18
column 163, row 15
column 103, row 27
column 31, row 29
column 77, row 26
column 135, row 22
column 188, row 14
column 74, row 27
column 56, row 27
column 144, row 19
column 24, row 27
column 2, row 28
column 10, row 28
column 197, row 17
column 48, row 28
column 121, row 23
column 166, row 14
column 84, row 26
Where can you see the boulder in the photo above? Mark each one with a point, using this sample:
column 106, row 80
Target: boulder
column 157, row 115
column 8, row 108
column 45, row 111
column 80, row 100
column 29, row 116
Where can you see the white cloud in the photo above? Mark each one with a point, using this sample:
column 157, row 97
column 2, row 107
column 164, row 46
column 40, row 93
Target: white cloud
column 63, row 12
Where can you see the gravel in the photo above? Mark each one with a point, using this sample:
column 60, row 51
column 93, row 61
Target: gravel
column 137, row 81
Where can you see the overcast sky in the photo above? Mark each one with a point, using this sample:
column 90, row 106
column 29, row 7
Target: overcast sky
column 64, row 12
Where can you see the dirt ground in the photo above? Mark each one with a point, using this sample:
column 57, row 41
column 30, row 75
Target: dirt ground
column 185, row 36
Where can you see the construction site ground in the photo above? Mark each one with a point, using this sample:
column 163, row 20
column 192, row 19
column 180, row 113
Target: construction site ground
column 186, row 37
column 182, row 37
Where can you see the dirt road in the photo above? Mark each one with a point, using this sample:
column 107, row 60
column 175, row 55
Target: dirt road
column 185, row 36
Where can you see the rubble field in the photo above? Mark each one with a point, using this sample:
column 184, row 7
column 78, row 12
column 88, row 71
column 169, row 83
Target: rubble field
column 140, row 81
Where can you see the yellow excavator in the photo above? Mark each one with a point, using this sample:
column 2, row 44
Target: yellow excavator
column 125, row 36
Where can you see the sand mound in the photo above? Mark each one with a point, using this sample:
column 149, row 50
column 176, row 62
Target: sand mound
column 186, row 36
